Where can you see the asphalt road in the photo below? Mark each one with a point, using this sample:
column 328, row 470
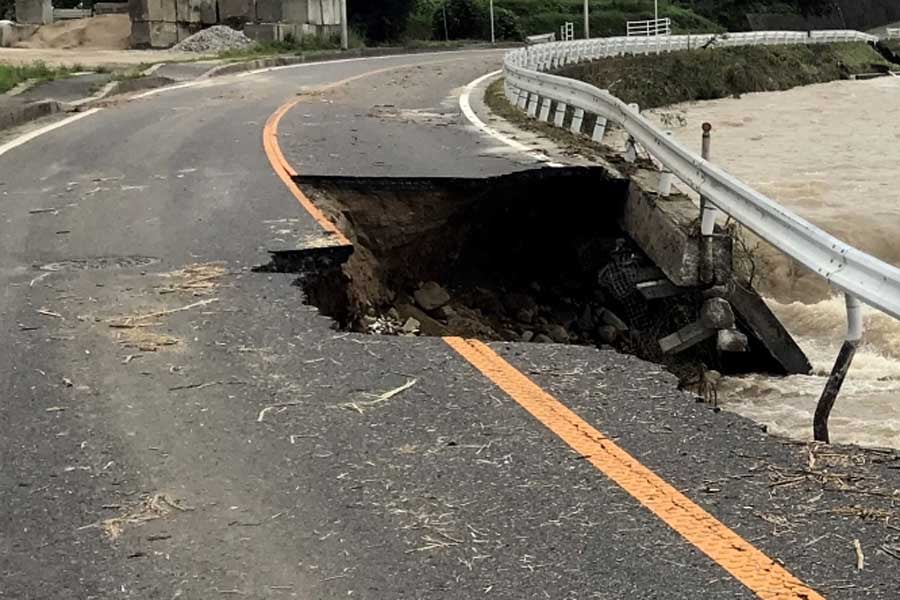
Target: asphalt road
column 170, row 434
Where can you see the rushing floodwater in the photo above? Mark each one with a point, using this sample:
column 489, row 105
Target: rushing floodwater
column 831, row 153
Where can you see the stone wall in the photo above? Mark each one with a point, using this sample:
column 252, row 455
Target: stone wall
column 163, row 23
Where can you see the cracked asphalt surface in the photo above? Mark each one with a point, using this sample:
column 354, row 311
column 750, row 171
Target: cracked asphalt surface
column 175, row 425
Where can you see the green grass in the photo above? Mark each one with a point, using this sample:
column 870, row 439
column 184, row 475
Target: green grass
column 893, row 45
column 307, row 45
column 653, row 81
column 13, row 75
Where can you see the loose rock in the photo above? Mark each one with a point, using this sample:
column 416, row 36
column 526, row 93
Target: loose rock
column 558, row 334
column 217, row 38
column 431, row 296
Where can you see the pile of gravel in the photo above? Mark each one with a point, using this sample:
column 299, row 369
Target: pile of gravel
column 217, row 38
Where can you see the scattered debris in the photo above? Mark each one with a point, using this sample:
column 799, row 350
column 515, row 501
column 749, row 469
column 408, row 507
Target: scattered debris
column 150, row 509
column 262, row 413
column 361, row 407
column 198, row 279
column 217, row 38
column 42, row 211
column 49, row 313
column 194, row 386
column 134, row 321
column 67, row 382
column 860, row 558
column 55, row 409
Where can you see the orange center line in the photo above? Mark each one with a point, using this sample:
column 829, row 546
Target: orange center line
column 759, row 573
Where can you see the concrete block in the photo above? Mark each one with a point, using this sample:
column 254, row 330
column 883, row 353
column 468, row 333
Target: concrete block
column 685, row 337
column 34, row 12
column 162, row 11
column 163, row 35
column 716, row 313
column 188, row 11
column 755, row 318
column 324, row 12
column 261, row 32
column 11, row 33
column 667, row 232
column 140, row 34
column 12, row 116
column 295, row 11
column 138, row 11
column 208, row 10
column 268, row 11
column 242, row 11
column 732, row 340
column 185, row 30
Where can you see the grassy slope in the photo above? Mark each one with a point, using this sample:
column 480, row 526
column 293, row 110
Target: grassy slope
column 653, row 81
column 11, row 76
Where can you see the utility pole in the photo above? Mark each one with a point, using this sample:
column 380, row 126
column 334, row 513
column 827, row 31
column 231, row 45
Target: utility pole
column 587, row 19
column 345, row 32
column 493, row 37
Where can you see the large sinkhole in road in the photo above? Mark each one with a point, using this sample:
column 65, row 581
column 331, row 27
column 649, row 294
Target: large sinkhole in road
column 536, row 256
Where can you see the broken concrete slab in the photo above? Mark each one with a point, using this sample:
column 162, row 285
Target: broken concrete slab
column 665, row 230
column 755, row 317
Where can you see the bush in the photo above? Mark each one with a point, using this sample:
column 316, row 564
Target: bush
column 507, row 25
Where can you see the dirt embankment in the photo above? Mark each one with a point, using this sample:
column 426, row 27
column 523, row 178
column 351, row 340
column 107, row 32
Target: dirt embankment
column 705, row 74
column 104, row 32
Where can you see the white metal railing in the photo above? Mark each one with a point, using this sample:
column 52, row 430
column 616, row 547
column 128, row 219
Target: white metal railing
column 893, row 33
column 859, row 276
column 651, row 27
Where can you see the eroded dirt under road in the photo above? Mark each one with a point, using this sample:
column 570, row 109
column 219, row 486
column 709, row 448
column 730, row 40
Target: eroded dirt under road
column 535, row 256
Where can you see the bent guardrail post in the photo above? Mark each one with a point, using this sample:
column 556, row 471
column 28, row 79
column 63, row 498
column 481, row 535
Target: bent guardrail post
column 839, row 371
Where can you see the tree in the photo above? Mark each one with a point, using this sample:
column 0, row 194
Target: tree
column 465, row 19
column 381, row 21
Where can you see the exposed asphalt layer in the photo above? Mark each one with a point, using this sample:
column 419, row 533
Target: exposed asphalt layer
column 264, row 467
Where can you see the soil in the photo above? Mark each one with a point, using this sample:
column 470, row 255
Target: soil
column 514, row 257
column 104, row 32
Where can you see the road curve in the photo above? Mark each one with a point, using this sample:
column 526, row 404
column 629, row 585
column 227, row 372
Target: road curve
column 178, row 426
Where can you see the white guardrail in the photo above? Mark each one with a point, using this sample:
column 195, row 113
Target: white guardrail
column 651, row 27
column 859, row 275
column 893, row 33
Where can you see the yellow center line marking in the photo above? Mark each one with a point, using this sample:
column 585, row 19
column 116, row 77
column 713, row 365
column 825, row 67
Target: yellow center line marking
column 759, row 573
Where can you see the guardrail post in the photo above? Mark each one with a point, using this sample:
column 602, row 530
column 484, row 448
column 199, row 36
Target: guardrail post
column 560, row 114
column 533, row 105
column 839, row 372
column 545, row 109
column 523, row 100
column 599, row 129
column 577, row 120
column 665, row 178
column 708, row 215
column 631, row 150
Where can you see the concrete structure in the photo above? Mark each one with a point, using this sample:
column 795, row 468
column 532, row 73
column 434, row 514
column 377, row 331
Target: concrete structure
column 34, row 12
column 162, row 23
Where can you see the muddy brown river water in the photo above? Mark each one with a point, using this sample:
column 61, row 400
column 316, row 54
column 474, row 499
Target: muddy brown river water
column 831, row 153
